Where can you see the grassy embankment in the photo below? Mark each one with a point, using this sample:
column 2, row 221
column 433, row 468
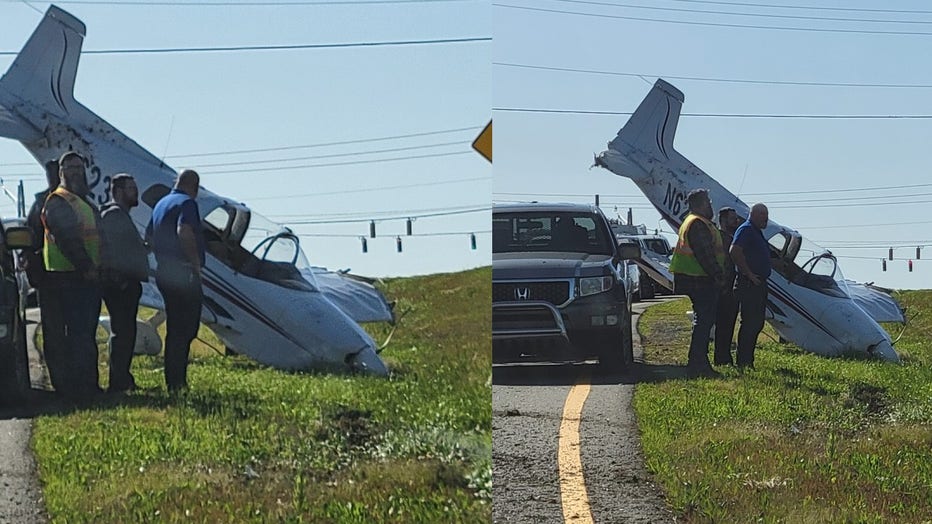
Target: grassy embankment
column 801, row 439
column 250, row 443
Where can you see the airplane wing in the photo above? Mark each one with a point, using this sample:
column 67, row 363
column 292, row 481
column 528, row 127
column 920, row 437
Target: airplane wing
column 358, row 299
column 878, row 304
column 658, row 267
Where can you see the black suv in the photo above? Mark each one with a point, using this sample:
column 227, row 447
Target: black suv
column 14, row 362
column 559, row 287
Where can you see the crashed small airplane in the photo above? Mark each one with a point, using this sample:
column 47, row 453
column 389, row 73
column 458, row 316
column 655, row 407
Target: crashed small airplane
column 261, row 296
column 809, row 302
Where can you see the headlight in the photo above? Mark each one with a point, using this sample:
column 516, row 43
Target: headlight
column 593, row 285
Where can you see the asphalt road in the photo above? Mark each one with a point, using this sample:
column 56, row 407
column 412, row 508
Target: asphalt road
column 20, row 494
column 533, row 482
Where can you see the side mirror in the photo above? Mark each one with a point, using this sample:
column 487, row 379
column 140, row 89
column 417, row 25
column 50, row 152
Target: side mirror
column 18, row 237
column 628, row 251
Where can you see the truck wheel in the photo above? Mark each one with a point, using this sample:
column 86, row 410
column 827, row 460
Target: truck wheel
column 618, row 352
column 627, row 345
column 21, row 362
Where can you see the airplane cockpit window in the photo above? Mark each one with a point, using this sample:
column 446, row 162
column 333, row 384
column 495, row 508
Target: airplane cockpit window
column 257, row 247
column 804, row 263
column 276, row 255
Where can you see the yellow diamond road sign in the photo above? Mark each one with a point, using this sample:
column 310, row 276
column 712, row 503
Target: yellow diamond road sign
column 483, row 142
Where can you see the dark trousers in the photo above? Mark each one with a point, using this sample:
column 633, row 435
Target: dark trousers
column 181, row 291
column 70, row 311
column 705, row 300
column 753, row 303
column 54, row 349
column 725, row 320
column 122, row 302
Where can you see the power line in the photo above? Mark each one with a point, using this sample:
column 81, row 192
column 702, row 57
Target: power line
column 403, row 234
column 373, row 189
column 248, row 4
column 335, row 155
column 875, row 197
column 218, row 49
column 711, row 79
column 858, row 204
column 328, row 144
column 370, row 214
column 402, row 217
column 334, row 164
column 732, row 13
column 301, row 146
column 716, row 24
column 814, row 8
column 722, row 115
column 768, row 193
column 884, row 243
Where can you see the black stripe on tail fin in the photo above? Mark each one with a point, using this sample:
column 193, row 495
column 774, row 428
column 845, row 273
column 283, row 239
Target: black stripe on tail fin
column 44, row 71
column 653, row 124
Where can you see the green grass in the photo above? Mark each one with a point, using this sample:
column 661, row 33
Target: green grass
column 801, row 439
column 250, row 443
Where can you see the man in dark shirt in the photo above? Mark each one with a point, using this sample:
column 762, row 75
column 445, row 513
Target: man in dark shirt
column 751, row 254
column 177, row 239
column 124, row 264
column 698, row 271
column 727, row 313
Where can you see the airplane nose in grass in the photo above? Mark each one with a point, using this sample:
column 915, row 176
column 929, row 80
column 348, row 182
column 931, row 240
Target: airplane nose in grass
column 367, row 361
column 885, row 351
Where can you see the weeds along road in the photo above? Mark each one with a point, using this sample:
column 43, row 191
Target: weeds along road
column 539, row 414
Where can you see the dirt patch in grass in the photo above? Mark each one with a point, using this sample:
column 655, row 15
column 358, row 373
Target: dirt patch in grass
column 353, row 426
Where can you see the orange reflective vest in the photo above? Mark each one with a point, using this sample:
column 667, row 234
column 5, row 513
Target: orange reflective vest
column 684, row 261
column 54, row 259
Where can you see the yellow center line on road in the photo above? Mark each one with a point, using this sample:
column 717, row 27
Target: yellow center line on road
column 572, row 484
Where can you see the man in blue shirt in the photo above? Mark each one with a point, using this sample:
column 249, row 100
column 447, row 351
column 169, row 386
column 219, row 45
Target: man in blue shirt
column 177, row 239
column 750, row 252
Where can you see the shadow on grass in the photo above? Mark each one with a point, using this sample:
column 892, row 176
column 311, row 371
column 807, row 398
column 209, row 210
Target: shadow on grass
column 574, row 373
column 38, row 402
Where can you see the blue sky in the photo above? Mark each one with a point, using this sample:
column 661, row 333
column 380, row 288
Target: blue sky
column 179, row 104
column 541, row 154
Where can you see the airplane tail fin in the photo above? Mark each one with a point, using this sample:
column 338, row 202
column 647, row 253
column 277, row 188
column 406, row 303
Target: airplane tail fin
column 44, row 71
column 653, row 124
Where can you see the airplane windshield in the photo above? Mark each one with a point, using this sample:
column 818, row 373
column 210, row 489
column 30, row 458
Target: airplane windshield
column 284, row 247
column 257, row 247
column 805, row 263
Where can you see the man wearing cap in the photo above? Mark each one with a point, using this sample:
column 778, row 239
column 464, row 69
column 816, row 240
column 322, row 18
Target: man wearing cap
column 71, row 296
column 698, row 271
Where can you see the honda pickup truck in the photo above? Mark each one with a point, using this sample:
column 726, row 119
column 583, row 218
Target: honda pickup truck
column 560, row 291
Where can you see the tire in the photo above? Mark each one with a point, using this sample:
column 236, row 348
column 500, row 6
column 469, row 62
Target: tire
column 21, row 362
column 627, row 345
column 617, row 353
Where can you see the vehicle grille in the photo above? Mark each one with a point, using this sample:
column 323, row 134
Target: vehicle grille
column 556, row 293
column 531, row 318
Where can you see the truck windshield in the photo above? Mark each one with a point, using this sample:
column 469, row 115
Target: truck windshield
column 549, row 231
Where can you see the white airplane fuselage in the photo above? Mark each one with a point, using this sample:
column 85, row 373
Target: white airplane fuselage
column 820, row 318
column 292, row 326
